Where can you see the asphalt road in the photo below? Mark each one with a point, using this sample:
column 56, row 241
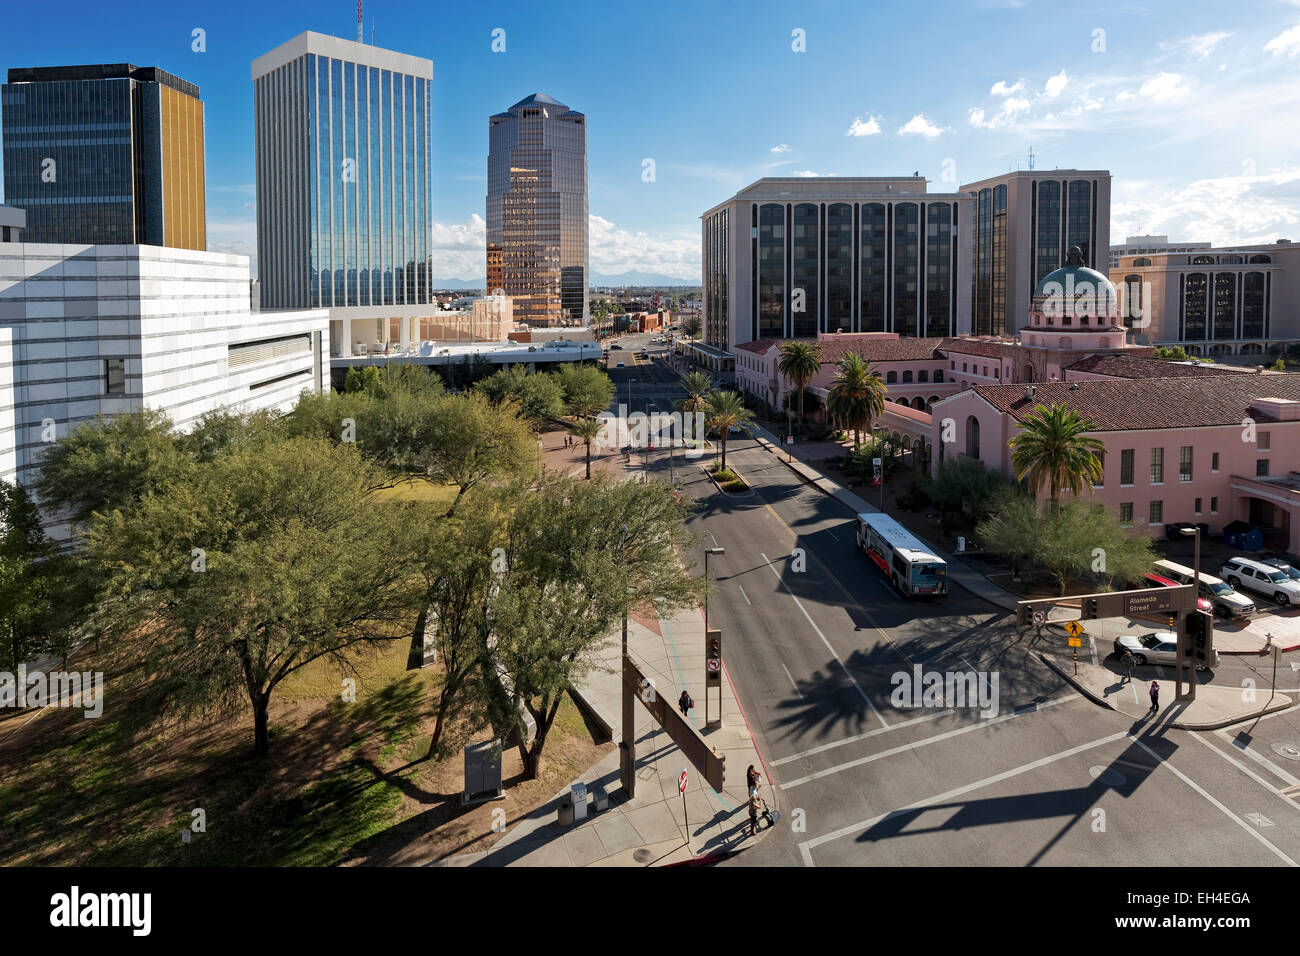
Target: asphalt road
column 814, row 640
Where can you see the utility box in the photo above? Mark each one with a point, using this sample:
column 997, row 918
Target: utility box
column 482, row 772
column 579, row 797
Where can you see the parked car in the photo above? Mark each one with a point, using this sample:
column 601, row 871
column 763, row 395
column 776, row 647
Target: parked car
column 1155, row 647
column 1226, row 601
column 1257, row 576
column 1159, row 581
column 616, row 346
column 1283, row 565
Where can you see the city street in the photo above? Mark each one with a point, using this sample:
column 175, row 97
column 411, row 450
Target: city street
column 812, row 636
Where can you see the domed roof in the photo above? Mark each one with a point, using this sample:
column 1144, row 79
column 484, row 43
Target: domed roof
column 1074, row 284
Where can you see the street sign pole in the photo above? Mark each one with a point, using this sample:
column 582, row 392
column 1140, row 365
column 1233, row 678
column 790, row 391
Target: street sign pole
column 681, row 786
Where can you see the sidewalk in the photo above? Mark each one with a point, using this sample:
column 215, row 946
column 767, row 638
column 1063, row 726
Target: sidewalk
column 958, row 570
column 1105, row 683
column 650, row 830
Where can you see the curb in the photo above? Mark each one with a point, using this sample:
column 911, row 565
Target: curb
column 1175, row 724
column 748, row 493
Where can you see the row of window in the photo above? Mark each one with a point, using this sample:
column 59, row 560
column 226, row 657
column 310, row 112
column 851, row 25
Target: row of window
column 1156, row 470
column 1156, row 511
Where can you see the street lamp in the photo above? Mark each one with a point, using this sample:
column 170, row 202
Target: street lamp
column 707, row 552
column 880, row 453
column 1193, row 532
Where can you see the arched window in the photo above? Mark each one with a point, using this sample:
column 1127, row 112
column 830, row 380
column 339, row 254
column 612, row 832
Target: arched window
column 1231, row 260
column 1261, row 258
column 1141, row 262
column 891, row 378
column 923, row 375
column 1202, row 260
column 972, row 437
column 907, row 377
column 918, row 403
column 938, row 375
column 1028, row 372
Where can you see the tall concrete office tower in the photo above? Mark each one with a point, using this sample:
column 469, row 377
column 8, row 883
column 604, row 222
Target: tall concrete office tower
column 537, row 210
column 1026, row 223
column 342, row 175
column 105, row 154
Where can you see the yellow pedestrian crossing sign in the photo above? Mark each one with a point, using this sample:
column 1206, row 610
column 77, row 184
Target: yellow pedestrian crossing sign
column 1073, row 628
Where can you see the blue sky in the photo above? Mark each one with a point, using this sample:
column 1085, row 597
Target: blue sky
column 1192, row 105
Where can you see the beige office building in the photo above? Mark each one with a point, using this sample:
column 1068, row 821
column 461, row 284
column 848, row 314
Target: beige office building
column 1025, row 224
column 1238, row 300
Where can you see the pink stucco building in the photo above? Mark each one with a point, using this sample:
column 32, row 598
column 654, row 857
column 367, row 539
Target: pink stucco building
column 1197, row 443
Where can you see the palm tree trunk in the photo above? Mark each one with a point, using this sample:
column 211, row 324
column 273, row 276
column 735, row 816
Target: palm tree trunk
column 589, row 461
column 724, row 449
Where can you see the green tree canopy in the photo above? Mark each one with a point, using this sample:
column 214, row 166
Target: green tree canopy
column 725, row 411
column 540, row 397
column 1053, row 449
column 238, row 572
column 799, row 363
column 856, row 396
column 588, row 391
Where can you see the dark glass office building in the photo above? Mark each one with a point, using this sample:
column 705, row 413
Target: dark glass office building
column 105, row 154
column 794, row 257
column 537, row 210
column 343, row 175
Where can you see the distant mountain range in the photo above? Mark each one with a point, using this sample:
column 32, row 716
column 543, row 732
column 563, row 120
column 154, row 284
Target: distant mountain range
column 632, row 278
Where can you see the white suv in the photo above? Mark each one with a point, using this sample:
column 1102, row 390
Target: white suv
column 1257, row 576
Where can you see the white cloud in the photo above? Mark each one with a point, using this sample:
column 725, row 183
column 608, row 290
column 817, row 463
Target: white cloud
column 1226, row 210
column 1123, row 95
column 868, row 127
column 783, row 148
column 806, row 173
column 1202, row 44
column 1287, row 42
column 615, row 250
column 1163, row 86
column 1005, row 116
column 1055, row 84
column 459, row 250
column 1000, row 88
column 918, row 125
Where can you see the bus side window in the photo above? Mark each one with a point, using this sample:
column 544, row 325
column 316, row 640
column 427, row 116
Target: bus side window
column 900, row 566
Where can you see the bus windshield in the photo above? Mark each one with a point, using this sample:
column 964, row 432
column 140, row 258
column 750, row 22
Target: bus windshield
column 927, row 575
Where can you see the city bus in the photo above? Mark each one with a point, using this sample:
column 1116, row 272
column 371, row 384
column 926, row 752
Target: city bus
column 906, row 560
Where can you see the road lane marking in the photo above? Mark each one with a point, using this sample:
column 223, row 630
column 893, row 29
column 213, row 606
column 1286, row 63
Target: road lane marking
column 745, row 596
column 1201, row 790
column 808, row 617
column 1262, row 761
column 863, row 736
column 806, row 848
column 792, row 683
column 926, row 741
column 1246, row 770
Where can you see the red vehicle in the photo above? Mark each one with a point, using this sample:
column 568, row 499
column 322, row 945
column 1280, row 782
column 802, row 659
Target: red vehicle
column 1157, row 581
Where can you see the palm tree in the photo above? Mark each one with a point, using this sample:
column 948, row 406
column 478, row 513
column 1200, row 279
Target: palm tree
column 588, row 429
column 857, row 396
column 1052, row 448
column 800, row 362
column 697, row 385
column 725, row 411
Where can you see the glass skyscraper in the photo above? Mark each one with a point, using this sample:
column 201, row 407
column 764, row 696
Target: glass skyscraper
column 105, row 154
column 343, row 175
column 537, row 210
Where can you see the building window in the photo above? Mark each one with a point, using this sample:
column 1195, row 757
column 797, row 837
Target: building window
column 1214, row 462
column 923, row 375
column 907, row 377
column 1261, row 468
column 972, row 437
column 891, row 377
column 963, row 366
column 1156, row 512
column 1126, row 512
column 1157, row 466
column 1126, row 466
column 938, row 375
column 1198, row 506
column 115, row 376
column 1185, row 463
column 1263, row 441
column 1214, row 506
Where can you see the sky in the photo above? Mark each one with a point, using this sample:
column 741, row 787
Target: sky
column 1192, row 105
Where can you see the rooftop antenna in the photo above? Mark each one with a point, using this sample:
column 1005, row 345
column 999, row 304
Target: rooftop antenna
column 1031, row 149
column 361, row 37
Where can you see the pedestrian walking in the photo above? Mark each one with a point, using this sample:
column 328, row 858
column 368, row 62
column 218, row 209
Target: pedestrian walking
column 756, row 807
column 1155, row 698
column 685, row 703
column 751, row 778
column 1130, row 662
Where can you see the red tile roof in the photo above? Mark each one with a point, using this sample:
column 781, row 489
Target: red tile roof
column 1150, row 403
column 760, row 346
column 880, row 350
column 993, row 350
column 1126, row 366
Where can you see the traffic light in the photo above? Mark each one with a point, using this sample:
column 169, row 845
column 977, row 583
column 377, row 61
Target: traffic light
column 1088, row 610
column 713, row 657
column 1198, row 637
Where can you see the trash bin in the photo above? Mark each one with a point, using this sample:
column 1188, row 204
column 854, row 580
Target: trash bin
column 566, row 813
column 599, row 799
column 579, row 801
